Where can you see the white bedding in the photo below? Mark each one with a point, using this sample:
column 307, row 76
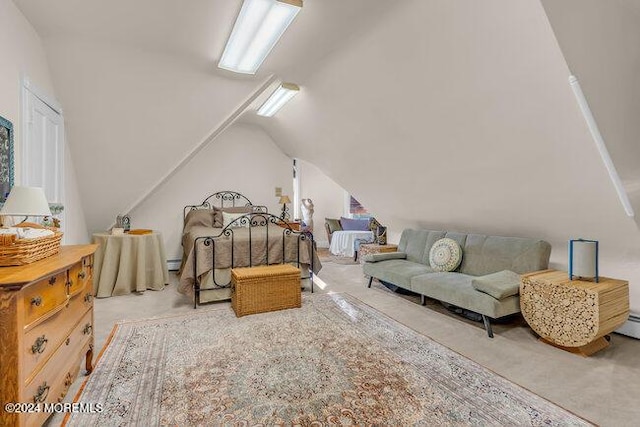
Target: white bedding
column 342, row 241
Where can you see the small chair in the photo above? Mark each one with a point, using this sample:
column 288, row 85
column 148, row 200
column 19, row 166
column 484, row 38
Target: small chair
column 373, row 226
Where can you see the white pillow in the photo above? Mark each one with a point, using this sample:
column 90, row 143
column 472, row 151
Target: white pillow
column 445, row 255
column 228, row 218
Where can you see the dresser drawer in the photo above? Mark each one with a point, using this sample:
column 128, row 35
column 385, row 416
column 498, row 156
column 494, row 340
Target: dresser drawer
column 44, row 296
column 80, row 275
column 42, row 340
column 51, row 383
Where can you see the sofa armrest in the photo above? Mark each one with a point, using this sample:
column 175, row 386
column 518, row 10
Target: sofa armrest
column 384, row 256
column 499, row 285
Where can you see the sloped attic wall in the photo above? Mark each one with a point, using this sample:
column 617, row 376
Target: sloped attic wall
column 599, row 40
column 132, row 114
column 457, row 115
column 244, row 159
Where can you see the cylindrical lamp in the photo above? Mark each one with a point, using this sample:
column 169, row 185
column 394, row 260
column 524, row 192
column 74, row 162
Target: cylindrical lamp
column 583, row 259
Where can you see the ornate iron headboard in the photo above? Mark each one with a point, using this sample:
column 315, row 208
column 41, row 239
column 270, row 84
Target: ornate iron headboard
column 223, row 199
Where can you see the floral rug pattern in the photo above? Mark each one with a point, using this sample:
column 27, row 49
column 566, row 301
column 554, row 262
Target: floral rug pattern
column 335, row 361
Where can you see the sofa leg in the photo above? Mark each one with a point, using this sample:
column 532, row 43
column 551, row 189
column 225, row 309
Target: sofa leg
column 355, row 256
column 423, row 300
column 487, row 325
column 370, row 280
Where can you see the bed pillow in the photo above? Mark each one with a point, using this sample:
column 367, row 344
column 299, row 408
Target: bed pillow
column 349, row 224
column 228, row 218
column 445, row 255
column 195, row 217
column 217, row 219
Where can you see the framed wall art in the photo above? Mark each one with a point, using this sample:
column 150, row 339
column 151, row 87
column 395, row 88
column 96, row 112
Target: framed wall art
column 6, row 158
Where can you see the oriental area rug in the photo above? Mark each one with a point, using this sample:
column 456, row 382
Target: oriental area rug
column 335, row 361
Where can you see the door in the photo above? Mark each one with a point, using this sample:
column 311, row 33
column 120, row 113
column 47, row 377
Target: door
column 43, row 148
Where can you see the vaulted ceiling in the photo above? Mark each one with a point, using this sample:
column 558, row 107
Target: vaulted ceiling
column 453, row 114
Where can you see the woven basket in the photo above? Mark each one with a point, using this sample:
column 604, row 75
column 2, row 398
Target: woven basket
column 265, row 288
column 26, row 251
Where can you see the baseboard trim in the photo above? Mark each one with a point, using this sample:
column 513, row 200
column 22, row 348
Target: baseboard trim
column 631, row 327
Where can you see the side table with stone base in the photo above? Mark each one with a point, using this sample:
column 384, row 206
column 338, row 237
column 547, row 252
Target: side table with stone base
column 574, row 315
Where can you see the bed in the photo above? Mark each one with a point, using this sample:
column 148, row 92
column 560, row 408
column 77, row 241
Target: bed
column 226, row 231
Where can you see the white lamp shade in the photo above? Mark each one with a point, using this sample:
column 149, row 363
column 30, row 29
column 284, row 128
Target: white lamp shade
column 26, row 201
column 257, row 29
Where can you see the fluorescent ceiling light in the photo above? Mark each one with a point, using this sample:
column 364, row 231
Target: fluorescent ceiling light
column 258, row 28
column 602, row 148
column 278, row 98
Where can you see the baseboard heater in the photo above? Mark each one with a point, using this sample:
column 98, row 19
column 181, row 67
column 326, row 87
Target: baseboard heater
column 631, row 327
column 173, row 264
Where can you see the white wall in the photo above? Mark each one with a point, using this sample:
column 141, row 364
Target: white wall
column 244, row 159
column 327, row 197
column 133, row 114
column 462, row 114
column 24, row 56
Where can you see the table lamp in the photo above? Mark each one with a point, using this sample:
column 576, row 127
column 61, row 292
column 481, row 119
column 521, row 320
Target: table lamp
column 583, row 259
column 284, row 199
column 26, row 201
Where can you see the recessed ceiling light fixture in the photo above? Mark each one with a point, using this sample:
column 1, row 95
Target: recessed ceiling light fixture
column 278, row 98
column 258, row 28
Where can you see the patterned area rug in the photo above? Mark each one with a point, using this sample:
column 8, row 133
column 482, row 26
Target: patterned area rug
column 335, row 361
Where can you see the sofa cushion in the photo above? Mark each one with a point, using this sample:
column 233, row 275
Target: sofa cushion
column 432, row 237
column 445, row 255
column 349, row 224
column 456, row 289
column 499, row 285
column 396, row 271
column 384, row 256
column 490, row 254
column 413, row 243
column 333, row 224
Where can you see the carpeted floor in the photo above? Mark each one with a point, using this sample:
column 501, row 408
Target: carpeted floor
column 603, row 388
column 335, row 361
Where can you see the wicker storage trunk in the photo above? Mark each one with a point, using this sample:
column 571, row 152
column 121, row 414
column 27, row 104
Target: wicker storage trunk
column 265, row 288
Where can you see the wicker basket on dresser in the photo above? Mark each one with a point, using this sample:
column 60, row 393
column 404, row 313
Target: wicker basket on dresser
column 46, row 329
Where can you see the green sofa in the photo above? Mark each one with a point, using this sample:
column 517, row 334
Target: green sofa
column 488, row 263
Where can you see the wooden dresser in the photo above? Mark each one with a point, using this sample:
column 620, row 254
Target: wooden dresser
column 46, row 328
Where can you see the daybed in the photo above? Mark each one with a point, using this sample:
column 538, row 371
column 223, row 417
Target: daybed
column 346, row 234
column 486, row 281
column 226, row 231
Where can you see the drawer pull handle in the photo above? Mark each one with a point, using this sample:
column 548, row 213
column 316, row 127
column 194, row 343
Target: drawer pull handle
column 82, row 275
column 43, row 391
column 39, row 345
column 68, row 340
column 87, row 329
column 37, row 301
column 88, row 298
column 53, row 280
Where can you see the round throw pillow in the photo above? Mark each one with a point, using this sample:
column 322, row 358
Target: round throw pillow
column 445, row 255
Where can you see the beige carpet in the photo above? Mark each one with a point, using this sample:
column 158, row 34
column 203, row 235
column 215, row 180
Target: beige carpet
column 604, row 388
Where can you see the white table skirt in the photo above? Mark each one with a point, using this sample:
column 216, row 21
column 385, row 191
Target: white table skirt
column 342, row 241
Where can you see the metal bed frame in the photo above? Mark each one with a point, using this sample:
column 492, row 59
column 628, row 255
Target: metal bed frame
column 259, row 217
